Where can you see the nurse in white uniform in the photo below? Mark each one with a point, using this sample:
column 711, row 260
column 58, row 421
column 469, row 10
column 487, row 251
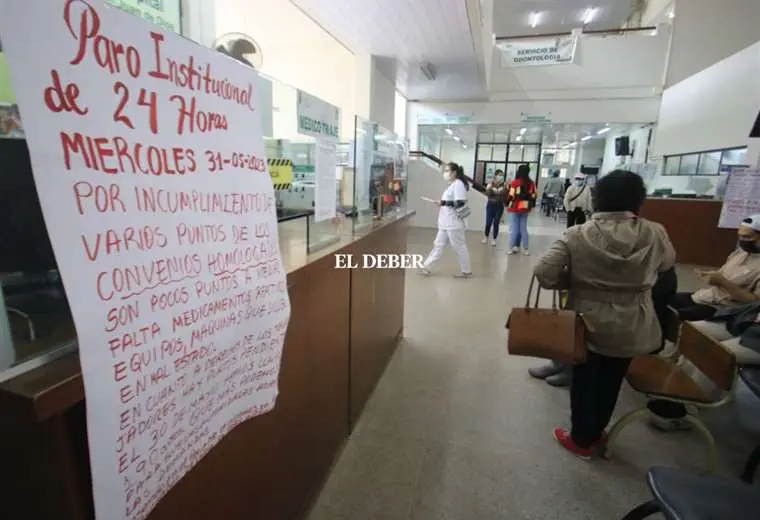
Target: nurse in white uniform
column 451, row 224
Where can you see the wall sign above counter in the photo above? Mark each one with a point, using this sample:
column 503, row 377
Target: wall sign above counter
column 317, row 118
column 538, row 51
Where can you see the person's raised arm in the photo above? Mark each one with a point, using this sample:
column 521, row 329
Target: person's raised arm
column 552, row 268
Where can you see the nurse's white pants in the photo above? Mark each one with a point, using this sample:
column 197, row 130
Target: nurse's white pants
column 455, row 237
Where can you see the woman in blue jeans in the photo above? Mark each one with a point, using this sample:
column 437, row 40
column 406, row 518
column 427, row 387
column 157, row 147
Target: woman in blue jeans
column 521, row 199
column 494, row 206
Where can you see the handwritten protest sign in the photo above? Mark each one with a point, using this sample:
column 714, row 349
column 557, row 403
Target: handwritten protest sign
column 741, row 198
column 151, row 172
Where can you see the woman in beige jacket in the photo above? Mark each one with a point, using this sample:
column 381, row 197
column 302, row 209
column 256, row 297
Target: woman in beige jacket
column 578, row 201
column 609, row 264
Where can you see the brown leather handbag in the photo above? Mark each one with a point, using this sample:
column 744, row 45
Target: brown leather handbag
column 557, row 334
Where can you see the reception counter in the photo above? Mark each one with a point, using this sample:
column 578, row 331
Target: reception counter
column 344, row 327
column 693, row 228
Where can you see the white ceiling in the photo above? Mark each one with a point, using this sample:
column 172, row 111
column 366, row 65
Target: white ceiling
column 513, row 17
column 557, row 135
column 407, row 34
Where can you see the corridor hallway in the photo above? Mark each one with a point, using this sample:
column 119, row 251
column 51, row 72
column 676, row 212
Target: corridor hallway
column 457, row 430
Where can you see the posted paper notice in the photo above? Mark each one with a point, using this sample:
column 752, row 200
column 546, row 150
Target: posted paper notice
column 741, row 199
column 326, row 181
column 152, row 176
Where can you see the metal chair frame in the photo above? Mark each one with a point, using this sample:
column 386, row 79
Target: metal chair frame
column 692, row 407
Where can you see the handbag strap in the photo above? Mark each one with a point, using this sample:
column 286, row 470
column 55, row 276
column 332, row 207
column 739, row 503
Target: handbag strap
column 538, row 295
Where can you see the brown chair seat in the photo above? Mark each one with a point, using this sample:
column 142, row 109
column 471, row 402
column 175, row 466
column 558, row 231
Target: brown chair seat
column 658, row 377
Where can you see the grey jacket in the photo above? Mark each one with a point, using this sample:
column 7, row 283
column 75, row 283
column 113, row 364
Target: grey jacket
column 610, row 264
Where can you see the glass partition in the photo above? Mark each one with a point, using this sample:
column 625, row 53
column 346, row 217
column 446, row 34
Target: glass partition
column 380, row 173
column 292, row 160
column 700, row 175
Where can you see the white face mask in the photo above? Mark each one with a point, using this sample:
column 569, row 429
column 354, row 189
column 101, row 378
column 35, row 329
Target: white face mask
column 499, row 179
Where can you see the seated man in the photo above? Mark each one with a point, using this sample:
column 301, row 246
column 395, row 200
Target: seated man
column 735, row 283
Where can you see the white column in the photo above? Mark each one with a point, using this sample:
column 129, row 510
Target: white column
column 363, row 85
column 383, row 100
column 199, row 21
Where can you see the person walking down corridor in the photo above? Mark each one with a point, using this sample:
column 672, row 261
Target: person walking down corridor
column 578, row 201
column 521, row 199
column 494, row 206
column 451, row 222
column 552, row 192
column 610, row 266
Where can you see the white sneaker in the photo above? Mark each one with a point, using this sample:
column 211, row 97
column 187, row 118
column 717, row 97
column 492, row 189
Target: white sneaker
column 669, row 425
column 513, row 251
column 669, row 351
column 484, row 241
column 525, row 252
column 493, row 242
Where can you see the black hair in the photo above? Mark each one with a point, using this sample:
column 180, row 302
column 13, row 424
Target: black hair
column 523, row 174
column 499, row 172
column 620, row 190
column 459, row 172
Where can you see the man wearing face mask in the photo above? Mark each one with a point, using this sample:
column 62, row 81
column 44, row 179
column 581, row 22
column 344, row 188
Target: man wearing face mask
column 451, row 224
column 578, row 202
column 735, row 283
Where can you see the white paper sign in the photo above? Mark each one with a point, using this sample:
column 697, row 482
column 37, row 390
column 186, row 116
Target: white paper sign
column 742, row 197
column 317, row 118
column 325, row 196
column 150, row 167
column 533, row 52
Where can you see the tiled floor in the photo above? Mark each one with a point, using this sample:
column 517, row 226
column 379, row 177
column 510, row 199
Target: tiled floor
column 457, row 430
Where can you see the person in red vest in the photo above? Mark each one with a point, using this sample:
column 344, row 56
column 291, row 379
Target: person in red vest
column 521, row 199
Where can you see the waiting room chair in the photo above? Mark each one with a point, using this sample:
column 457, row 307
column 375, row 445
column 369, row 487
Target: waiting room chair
column 667, row 380
column 681, row 495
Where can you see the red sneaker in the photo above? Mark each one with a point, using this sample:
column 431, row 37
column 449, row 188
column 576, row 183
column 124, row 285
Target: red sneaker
column 562, row 436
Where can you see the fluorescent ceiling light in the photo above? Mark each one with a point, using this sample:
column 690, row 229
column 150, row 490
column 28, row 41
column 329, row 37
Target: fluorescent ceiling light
column 523, row 130
column 604, row 130
column 464, row 146
column 534, row 19
column 456, row 138
column 672, row 13
column 586, row 138
column 448, row 131
column 588, row 17
column 518, row 138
